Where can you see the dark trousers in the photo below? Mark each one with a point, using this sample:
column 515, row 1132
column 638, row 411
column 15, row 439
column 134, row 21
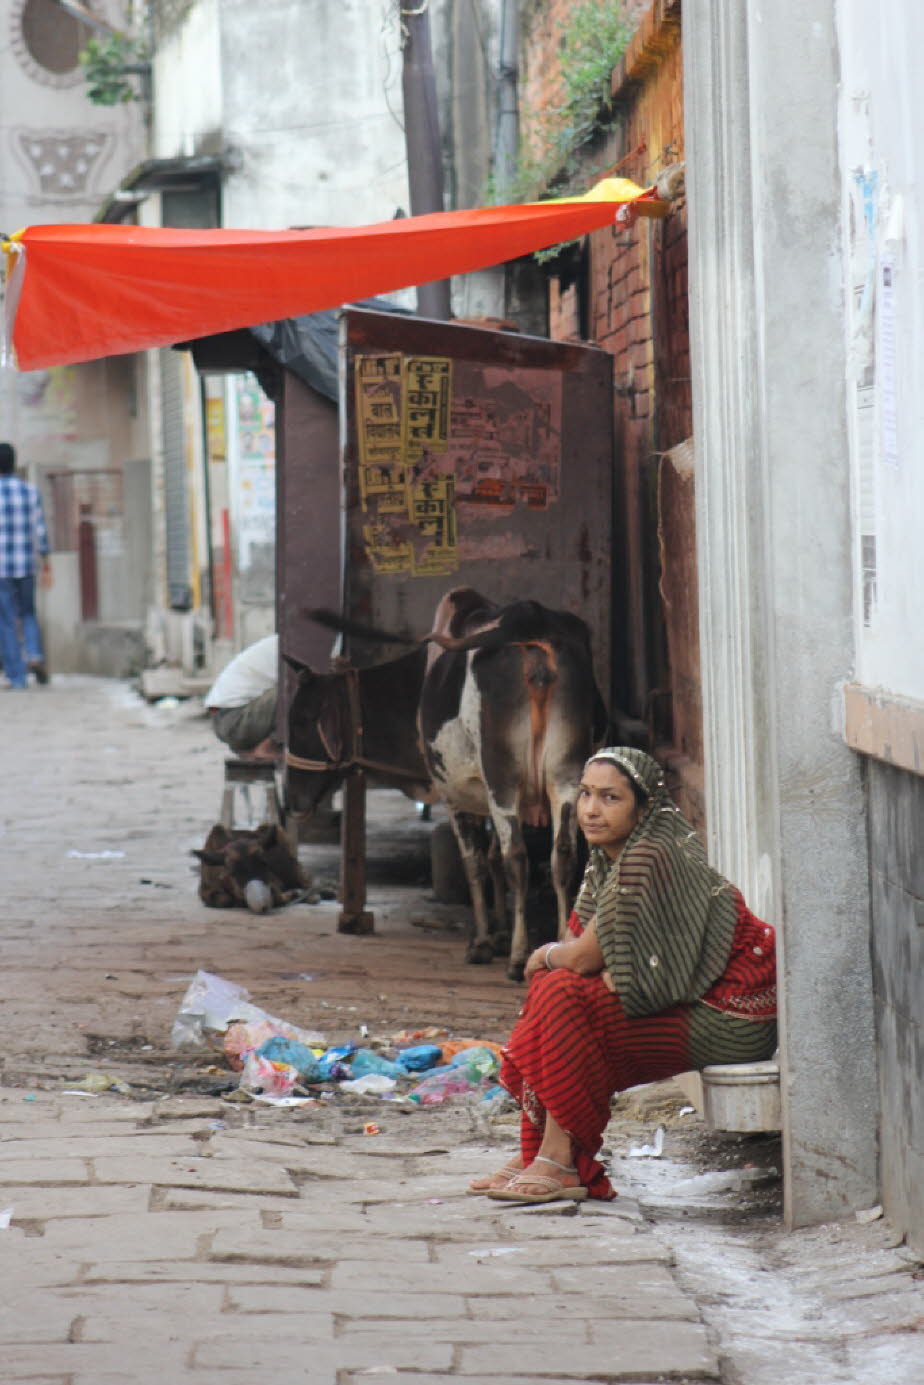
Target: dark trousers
column 20, row 638
column 244, row 727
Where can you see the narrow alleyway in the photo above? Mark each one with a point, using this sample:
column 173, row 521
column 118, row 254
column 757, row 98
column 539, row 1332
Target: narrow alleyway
column 171, row 1233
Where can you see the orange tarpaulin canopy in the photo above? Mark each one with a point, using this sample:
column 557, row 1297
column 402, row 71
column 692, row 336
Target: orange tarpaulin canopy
column 77, row 292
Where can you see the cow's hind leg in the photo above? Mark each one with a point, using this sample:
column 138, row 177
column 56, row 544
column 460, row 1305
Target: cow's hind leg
column 470, row 834
column 501, row 934
column 564, row 857
column 516, row 865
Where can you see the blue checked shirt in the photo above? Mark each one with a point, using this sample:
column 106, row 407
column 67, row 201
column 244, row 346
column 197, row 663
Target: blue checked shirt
column 22, row 528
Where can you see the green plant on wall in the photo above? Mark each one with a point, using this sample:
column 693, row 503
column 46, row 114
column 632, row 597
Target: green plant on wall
column 592, row 40
column 108, row 65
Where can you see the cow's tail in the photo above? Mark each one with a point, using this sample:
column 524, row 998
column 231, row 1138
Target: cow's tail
column 540, row 671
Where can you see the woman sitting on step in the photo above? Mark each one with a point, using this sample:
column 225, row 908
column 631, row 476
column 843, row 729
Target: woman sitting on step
column 668, row 971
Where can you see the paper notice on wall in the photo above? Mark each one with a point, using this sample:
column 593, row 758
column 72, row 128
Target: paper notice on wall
column 379, row 427
column 432, row 508
column 387, row 485
column 387, row 552
column 427, row 396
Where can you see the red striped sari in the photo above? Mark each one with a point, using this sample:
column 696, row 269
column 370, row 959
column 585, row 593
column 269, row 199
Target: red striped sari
column 573, row 1047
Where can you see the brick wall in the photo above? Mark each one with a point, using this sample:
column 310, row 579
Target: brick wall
column 636, row 308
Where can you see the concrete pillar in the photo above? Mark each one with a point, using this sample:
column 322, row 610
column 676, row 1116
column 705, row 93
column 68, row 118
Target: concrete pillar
column 784, row 796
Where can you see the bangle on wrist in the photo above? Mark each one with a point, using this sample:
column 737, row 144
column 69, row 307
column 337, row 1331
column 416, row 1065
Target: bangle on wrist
column 548, row 952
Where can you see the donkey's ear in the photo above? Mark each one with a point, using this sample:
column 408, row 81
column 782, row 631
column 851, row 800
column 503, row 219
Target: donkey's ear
column 298, row 667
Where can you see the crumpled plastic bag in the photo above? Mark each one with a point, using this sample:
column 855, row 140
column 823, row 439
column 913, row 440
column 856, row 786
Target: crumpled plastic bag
column 279, row 1049
column 371, row 1084
column 208, row 1006
column 262, row 1075
column 420, row 1058
column 96, row 1082
column 333, row 1063
column 453, row 1046
column 443, row 1084
column 213, row 1005
column 246, row 1036
column 479, row 1062
column 366, row 1060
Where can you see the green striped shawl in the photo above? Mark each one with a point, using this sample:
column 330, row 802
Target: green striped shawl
column 665, row 918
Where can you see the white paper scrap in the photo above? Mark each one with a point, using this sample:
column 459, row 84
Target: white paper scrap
column 652, row 1151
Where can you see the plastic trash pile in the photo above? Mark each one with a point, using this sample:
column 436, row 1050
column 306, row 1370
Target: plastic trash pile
column 281, row 1063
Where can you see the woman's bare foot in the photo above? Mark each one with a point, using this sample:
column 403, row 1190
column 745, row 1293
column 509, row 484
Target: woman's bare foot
column 500, row 1179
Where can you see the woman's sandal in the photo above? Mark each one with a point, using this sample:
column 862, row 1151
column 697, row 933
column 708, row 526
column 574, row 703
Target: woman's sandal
column 479, row 1186
column 551, row 1189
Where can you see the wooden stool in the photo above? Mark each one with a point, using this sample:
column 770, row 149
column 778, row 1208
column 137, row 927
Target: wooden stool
column 241, row 774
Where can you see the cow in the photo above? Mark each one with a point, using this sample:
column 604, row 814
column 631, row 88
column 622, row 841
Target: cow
column 496, row 710
column 249, row 868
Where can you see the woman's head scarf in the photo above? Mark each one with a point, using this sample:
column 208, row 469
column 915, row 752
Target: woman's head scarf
column 665, row 918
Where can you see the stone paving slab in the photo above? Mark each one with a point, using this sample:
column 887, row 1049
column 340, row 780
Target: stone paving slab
column 288, row 1361
column 303, row 1248
column 546, row 1220
column 656, row 1303
column 442, row 1279
column 126, row 1274
column 44, row 1203
column 93, row 1145
column 89, row 1362
column 315, row 1161
column 181, row 1302
column 214, row 1174
column 136, row 1323
column 616, row 1351
column 278, row 1298
column 154, row 1236
column 39, row 1114
column 542, row 1336
column 170, row 1199
column 20, row 1326
column 558, row 1253
column 23, row 1172
column 37, row 1269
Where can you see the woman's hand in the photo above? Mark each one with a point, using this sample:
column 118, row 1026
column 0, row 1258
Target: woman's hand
column 581, row 954
column 536, row 961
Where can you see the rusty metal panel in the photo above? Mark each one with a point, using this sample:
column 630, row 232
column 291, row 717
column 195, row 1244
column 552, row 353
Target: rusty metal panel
column 478, row 458
column 308, row 545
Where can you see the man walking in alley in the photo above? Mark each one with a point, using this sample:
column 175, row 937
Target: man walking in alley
column 23, row 550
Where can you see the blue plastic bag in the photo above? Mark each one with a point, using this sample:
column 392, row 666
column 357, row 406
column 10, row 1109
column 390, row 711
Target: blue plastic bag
column 420, row 1058
column 366, row 1060
column 281, row 1050
column 333, row 1065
